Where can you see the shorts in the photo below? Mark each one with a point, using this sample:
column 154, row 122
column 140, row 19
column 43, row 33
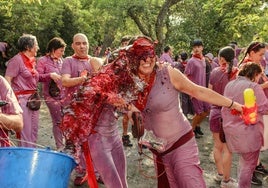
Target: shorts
column 200, row 106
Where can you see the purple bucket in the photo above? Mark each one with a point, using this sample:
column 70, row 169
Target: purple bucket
column 30, row 167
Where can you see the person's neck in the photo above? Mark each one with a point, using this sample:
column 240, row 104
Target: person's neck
column 198, row 55
column 80, row 57
column 28, row 54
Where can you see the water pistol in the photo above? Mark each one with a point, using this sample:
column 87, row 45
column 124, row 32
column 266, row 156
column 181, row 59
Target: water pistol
column 250, row 107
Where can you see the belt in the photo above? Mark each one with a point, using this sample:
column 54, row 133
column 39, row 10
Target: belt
column 24, row 92
column 162, row 177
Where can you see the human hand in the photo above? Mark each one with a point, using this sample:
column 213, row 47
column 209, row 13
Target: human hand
column 265, row 85
column 131, row 109
column 56, row 77
column 249, row 115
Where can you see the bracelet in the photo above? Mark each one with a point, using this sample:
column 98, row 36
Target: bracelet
column 231, row 104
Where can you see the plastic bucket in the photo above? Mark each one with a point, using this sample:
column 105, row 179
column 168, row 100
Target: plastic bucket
column 34, row 168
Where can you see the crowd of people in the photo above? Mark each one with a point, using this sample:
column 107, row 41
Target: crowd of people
column 197, row 85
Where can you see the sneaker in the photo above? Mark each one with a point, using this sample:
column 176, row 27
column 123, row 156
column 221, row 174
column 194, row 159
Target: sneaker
column 218, row 178
column 261, row 169
column 126, row 141
column 230, row 184
column 80, row 179
column 198, row 131
column 255, row 180
column 196, row 135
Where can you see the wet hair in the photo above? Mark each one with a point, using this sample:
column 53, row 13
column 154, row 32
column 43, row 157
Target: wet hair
column 184, row 56
column 166, row 49
column 228, row 54
column 26, row 42
column 250, row 70
column 253, row 46
column 55, row 44
column 133, row 39
column 142, row 47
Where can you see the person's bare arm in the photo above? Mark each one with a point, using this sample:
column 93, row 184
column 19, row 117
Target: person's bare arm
column 183, row 84
column 67, row 81
column 11, row 122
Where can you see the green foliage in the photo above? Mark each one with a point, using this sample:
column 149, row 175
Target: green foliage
column 217, row 23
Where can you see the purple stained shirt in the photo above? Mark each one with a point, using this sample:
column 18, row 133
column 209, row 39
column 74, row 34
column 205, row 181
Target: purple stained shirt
column 163, row 114
column 165, row 57
column 237, row 52
column 13, row 107
column 45, row 66
column 195, row 70
column 74, row 67
column 218, row 79
column 240, row 137
column 3, row 46
column 23, row 79
column 213, row 65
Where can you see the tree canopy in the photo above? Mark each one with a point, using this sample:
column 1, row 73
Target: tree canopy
column 171, row 22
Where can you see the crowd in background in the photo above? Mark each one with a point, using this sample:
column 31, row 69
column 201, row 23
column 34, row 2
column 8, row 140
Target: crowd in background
column 233, row 67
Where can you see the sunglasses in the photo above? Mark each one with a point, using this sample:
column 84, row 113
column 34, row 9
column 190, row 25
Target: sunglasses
column 147, row 54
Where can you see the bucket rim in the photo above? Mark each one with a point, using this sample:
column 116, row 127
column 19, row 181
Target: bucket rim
column 45, row 150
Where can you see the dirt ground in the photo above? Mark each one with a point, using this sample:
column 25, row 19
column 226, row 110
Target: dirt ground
column 140, row 170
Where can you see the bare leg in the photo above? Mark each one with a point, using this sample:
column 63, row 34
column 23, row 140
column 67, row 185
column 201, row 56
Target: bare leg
column 198, row 118
column 125, row 125
column 125, row 137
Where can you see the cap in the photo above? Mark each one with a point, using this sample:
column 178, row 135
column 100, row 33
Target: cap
column 210, row 56
column 197, row 42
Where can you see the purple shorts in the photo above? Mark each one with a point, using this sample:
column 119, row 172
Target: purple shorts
column 214, row 125
column 200, row 106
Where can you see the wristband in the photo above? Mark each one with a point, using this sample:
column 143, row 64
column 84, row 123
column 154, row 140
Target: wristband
column 231, row 104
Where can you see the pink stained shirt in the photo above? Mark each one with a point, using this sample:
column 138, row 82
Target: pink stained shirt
column 13, row 107
column 240, row 137
column 22, row 77
column 196, row 71
column 74, row 67
column 45, row 66
column 165, row 57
